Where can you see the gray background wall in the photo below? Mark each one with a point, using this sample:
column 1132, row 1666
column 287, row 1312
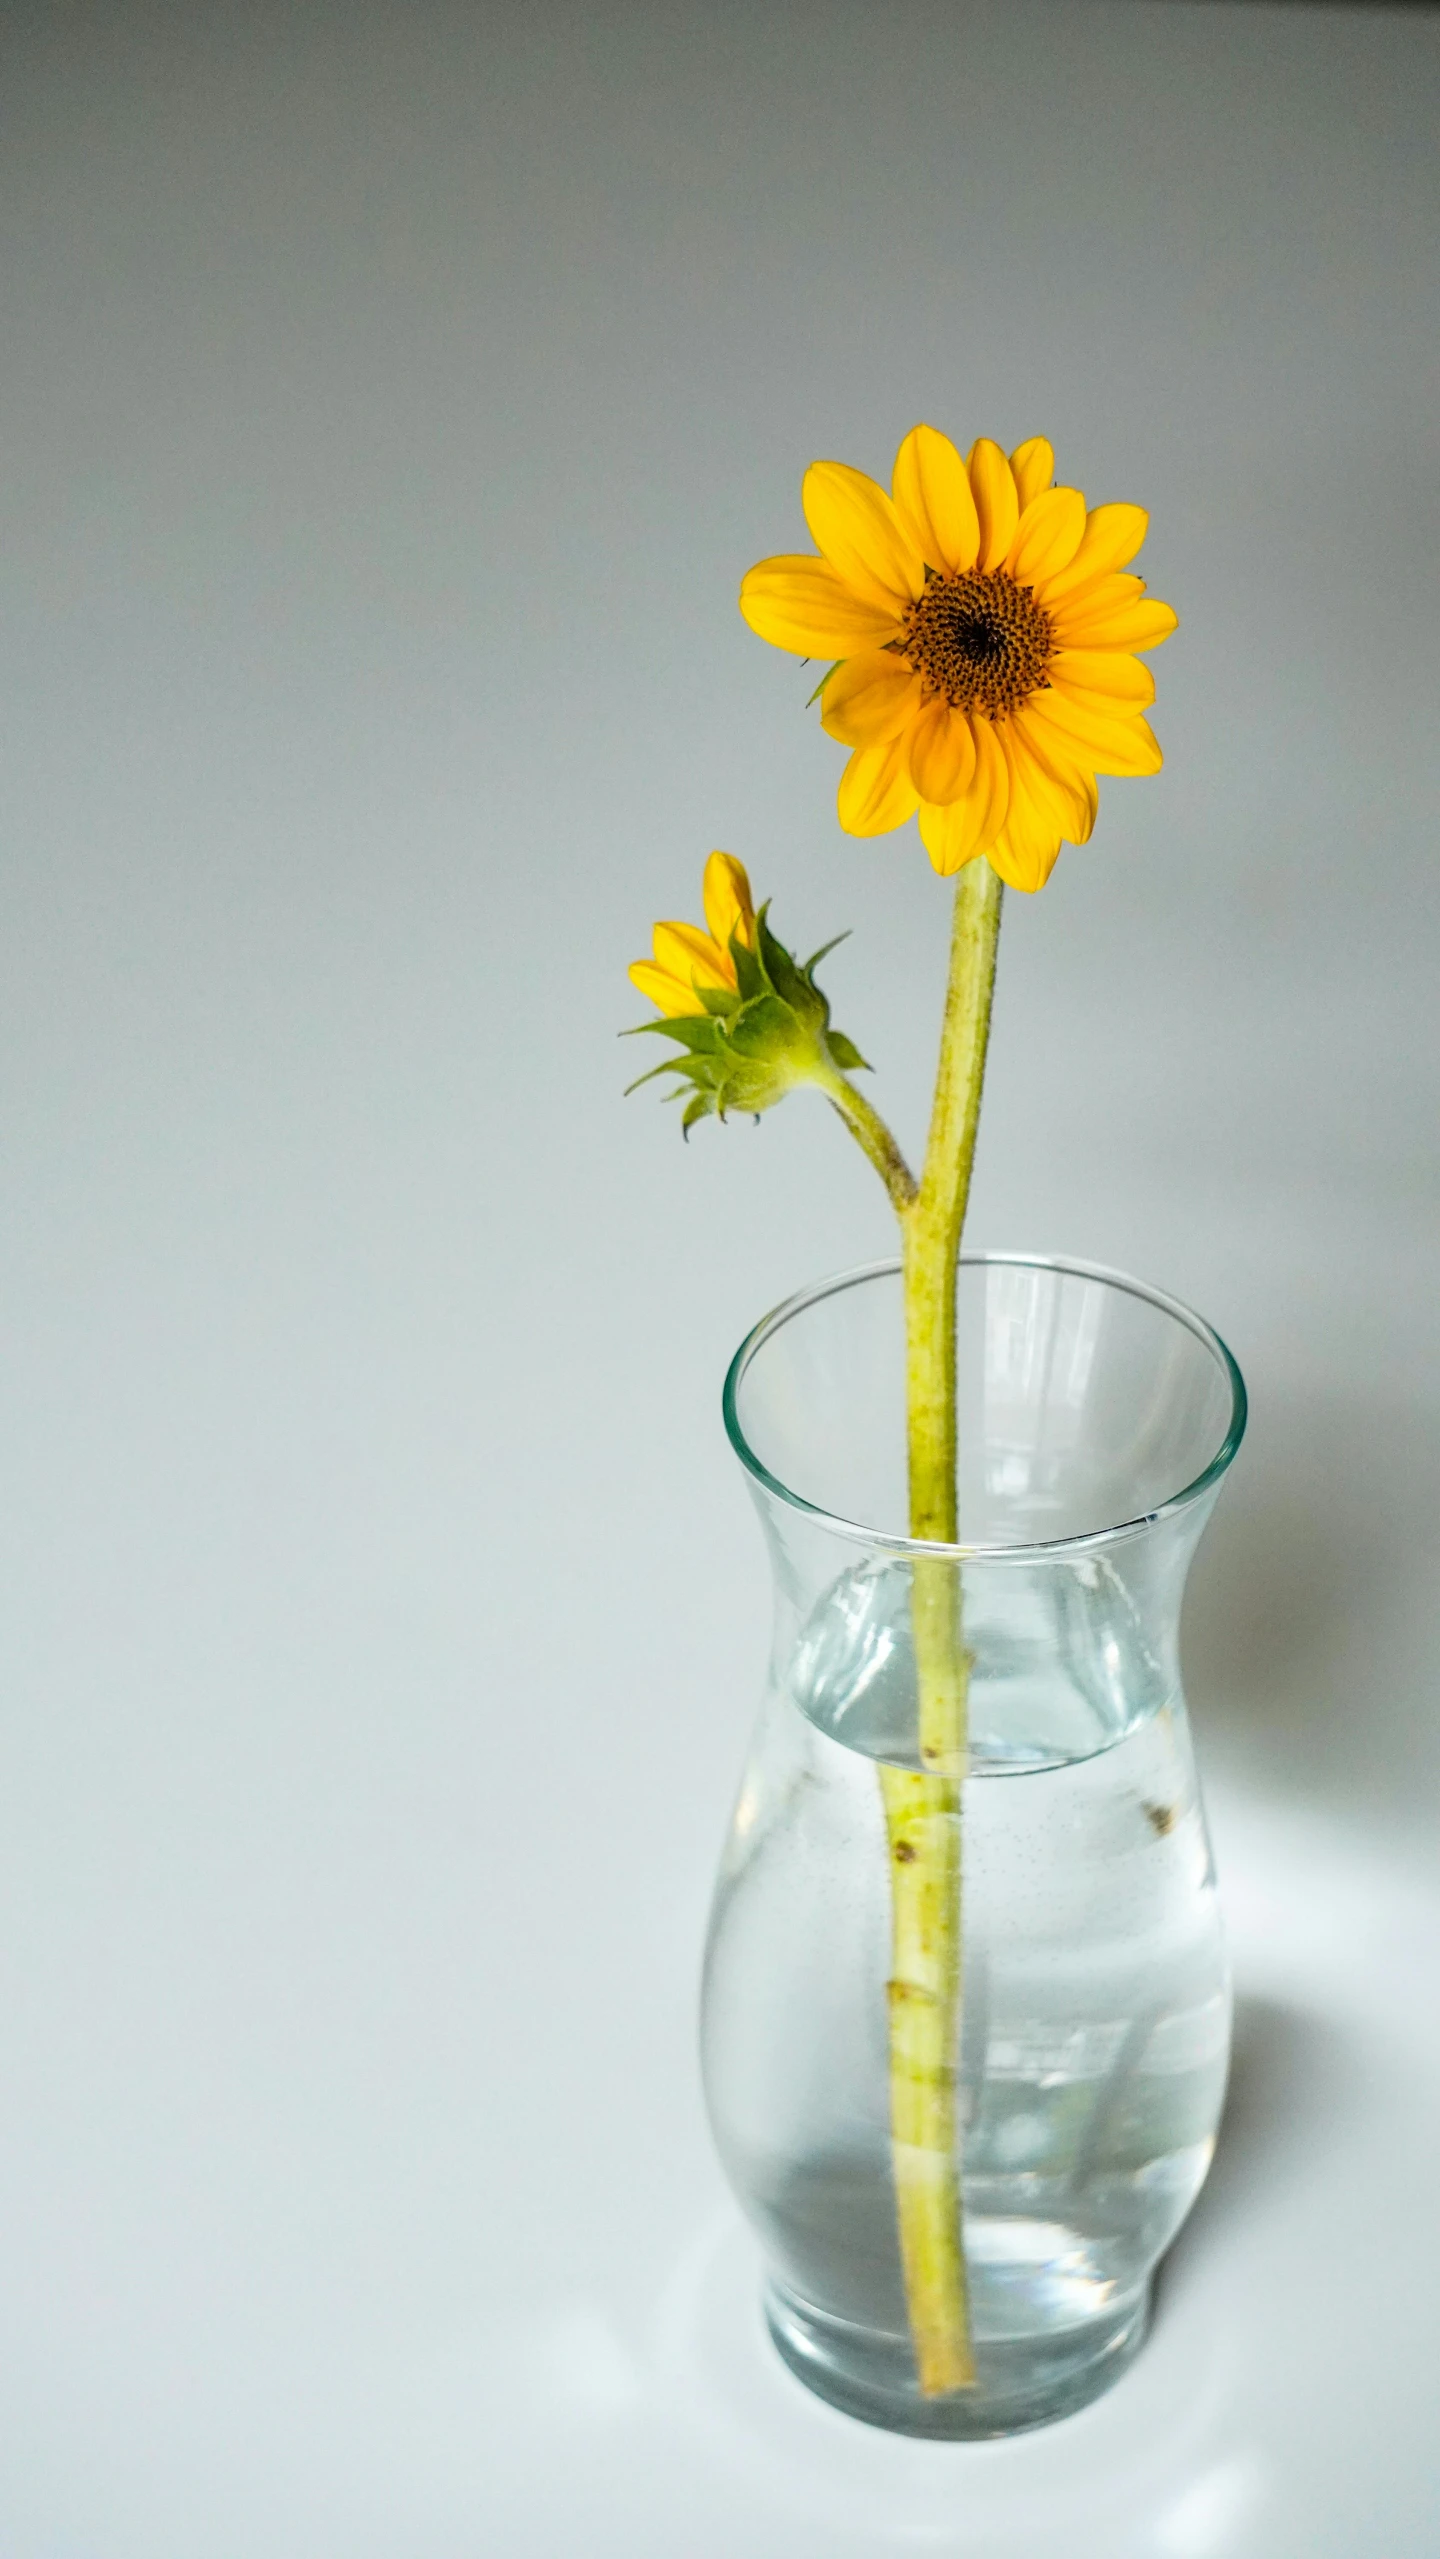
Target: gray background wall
column 390, row 401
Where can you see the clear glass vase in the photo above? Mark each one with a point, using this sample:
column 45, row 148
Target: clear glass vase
column 1091, row 2036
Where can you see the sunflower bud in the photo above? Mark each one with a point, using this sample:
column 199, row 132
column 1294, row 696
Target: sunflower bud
column 752, row 1037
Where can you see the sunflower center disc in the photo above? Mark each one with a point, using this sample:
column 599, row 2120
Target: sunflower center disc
column 981, row 640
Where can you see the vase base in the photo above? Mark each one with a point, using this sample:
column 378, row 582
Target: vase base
column 1023, row 2381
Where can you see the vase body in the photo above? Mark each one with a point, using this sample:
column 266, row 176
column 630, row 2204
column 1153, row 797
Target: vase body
column 1091, row 2031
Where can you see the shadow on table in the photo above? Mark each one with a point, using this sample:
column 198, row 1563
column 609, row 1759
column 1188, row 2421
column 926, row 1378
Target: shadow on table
column 1311, row 1633
column 1291, row 2074
column 1291, row 2070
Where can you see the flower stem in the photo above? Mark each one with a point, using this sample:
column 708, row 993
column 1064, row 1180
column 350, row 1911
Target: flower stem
column 934, row 1223
column 922, row 1807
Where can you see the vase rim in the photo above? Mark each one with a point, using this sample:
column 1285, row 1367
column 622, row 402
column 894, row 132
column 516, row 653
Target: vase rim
column 888, row 1540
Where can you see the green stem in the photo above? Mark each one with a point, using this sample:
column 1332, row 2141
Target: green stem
column 933, row 1227
column 923, row 1806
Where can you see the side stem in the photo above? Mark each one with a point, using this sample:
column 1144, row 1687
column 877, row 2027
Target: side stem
column 922, row 1807
column 870, row 1132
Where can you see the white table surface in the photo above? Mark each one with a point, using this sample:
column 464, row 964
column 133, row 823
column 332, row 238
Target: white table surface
column 390, row 401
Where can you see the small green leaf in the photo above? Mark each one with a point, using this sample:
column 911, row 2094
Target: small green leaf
column 692, row 1030
column 749, row 971
column 667, row 1066
column 780, row 968
column 824, row 680
column 846, row 1055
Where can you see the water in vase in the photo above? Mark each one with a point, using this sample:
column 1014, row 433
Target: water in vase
column 1095, row 2017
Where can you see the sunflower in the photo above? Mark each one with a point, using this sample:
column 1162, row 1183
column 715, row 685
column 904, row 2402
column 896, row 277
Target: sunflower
column 687, row 959
column 985, row 638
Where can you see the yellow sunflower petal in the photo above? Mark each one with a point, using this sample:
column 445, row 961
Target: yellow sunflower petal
column 1048, row 536
column 1113, row 535
column 1084, row 809
column 869, row 699
column 1026, row 853
column 663, row 989
column 1036, row 822
column 729, row 907
column 997, row 501
column 1034, row 467
column 1059, row 778
column 953, row 836
column 1141, row 623
column 854, row 523
column 942, row 753
column 948, row 838
column 992, row 775
column 1116, row 677
column 1109, row 742
column 689, row 955
column 799, row 603
column 876, row 792
column 1113, row 594
column 934, row 501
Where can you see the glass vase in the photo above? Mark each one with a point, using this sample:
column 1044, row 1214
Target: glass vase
column 1091, row 2028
